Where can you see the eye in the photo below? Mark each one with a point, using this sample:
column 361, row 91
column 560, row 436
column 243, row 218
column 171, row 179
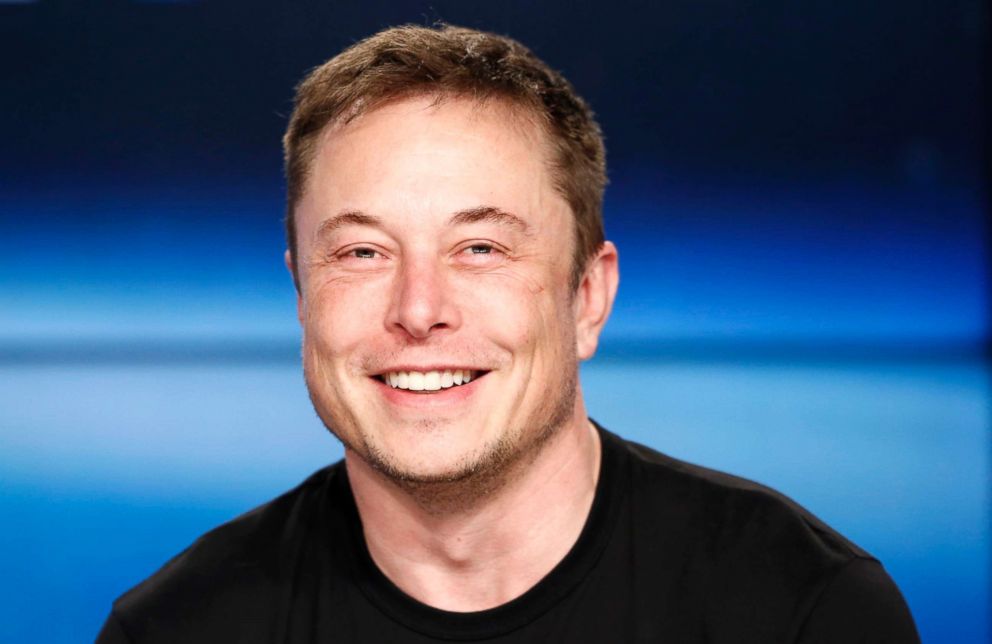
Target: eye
column 481, row 254
column 362, row 253
column 360, row 257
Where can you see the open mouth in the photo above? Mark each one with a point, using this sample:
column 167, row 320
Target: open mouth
column 429, row 382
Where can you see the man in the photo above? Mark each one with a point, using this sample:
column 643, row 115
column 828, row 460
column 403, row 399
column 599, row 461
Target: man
column 446, row 242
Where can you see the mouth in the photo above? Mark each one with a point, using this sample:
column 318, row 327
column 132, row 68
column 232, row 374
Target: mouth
column 429, row 382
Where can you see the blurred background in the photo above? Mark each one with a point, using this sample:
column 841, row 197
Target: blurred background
column 797, row 191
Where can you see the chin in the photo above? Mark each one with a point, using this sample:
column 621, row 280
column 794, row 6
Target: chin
column 437, row 458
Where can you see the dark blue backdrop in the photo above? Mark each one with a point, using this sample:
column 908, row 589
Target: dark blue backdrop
column 796, row 190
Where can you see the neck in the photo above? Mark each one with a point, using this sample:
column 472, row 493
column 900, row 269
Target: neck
column 471, row 552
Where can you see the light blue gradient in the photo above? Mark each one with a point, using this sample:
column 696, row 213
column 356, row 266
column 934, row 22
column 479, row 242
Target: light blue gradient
column 109, row 470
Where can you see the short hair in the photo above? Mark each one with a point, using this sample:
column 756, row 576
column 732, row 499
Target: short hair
column 453, row 62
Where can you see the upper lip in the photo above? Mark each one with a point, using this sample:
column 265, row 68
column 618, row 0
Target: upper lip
column 426, row 368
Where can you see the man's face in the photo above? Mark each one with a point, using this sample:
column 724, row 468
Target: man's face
column 434, row 248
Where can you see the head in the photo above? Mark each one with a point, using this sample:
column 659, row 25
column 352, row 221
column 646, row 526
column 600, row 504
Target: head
column 446, row 241
column 445, row 63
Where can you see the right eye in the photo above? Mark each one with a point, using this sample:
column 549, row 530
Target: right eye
column 360, row 257
column 363, row 253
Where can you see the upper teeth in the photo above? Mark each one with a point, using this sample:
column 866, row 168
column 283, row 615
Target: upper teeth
column 427, row 380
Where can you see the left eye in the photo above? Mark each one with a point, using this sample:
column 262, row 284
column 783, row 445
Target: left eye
column 481, row 254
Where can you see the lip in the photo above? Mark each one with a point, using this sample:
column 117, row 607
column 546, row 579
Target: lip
column 458, row 394
column 426, row 368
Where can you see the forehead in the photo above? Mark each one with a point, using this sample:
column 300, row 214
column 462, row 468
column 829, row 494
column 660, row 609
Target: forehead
column 419, row 156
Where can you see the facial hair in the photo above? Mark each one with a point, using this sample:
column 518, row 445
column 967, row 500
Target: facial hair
column 481, row 474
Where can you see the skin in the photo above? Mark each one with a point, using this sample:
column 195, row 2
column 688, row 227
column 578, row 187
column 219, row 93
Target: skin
column 431, row 236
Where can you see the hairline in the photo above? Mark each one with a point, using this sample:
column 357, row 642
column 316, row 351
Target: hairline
column 525, row 117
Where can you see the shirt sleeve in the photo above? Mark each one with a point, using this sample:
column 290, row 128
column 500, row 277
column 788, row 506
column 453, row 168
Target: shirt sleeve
column 860, row 605
column 112, row 632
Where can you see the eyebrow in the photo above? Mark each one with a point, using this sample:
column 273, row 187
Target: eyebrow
column 489, row 214
column 346, row 218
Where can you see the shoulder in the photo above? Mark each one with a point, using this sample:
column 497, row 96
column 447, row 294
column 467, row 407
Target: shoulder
column 859, row 603
column 762, row 561
column 731, row 512
column 229, row 574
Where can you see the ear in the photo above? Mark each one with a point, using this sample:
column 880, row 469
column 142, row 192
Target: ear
column 290, row 266
column 594, row 299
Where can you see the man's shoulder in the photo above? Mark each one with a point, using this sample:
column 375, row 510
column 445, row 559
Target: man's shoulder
column 242, row 563
column 754, row 551
column 731, row 510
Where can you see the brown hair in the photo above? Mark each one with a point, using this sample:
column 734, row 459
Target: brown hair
column 448, row 61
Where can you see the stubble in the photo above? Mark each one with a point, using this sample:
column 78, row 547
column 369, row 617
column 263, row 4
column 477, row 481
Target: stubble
column 479, row 475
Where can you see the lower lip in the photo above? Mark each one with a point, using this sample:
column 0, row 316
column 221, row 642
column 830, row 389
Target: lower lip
column 419, row 399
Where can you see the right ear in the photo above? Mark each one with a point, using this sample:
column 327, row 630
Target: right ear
column 291, row 267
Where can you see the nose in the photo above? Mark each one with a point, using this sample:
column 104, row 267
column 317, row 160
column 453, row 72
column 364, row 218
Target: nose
column 422, row 302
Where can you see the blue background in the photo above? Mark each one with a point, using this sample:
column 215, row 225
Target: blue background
column 797, row 192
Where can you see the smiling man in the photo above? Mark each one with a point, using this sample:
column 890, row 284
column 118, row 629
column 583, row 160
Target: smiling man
column 446, row 241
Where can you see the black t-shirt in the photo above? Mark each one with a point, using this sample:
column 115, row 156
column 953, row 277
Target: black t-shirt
column 670, row 552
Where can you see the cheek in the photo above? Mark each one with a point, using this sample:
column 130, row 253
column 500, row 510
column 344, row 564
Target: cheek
column 517, row 314
column 339, row 313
